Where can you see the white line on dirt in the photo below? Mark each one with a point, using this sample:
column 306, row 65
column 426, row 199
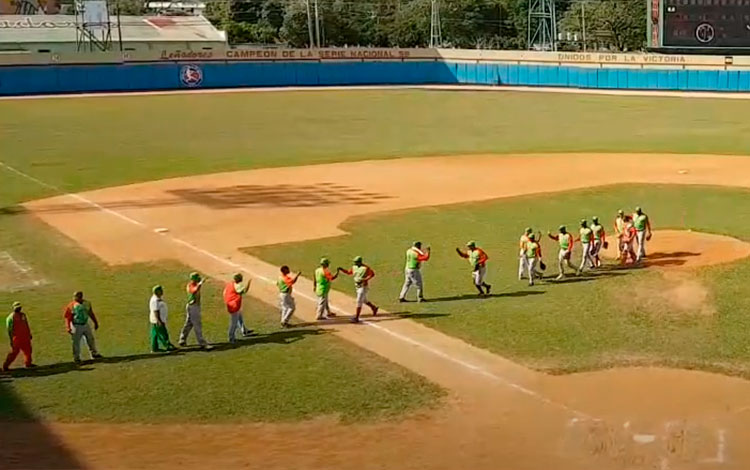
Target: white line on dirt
column 10, row 259
column 473, row 367
column 488, row 88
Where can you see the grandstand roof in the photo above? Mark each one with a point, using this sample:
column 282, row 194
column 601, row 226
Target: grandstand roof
column 62, row 28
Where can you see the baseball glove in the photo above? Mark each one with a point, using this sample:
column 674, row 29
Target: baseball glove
column 542, row 266
column 606, row 245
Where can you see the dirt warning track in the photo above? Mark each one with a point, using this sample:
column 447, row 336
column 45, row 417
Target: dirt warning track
column 500, row 414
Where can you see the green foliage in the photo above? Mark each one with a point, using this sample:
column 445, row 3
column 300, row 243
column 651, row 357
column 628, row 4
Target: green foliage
column 619, row 317
column 610, row 24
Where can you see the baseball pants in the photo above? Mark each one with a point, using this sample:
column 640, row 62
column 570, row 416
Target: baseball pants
column 77, row 333
column 17, row 348
column 563, row 258
column 193, row 321
column 323, row 309
column 641, row 237
column 362, row 292
column 531, row 269
column 159, row 337
column 478, row 275
column 236, row 321
column 288, row 306
column 412, row 277
column 586, row 256
column 521, row 265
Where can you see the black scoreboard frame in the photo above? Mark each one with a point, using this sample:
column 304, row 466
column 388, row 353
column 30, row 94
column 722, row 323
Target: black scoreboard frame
column 699, row 26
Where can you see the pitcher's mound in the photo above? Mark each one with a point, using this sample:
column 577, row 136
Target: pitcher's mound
column 686, row 249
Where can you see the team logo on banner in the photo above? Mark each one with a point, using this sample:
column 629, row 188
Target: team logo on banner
column 191, row 75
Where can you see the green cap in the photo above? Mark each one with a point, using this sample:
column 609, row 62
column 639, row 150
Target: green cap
column 583, row 222
column 416, row 243
column 195, row 277
column 471, row 244
column 532, row 236
column 16, row 305
column 528, row 230
column 237, row 277
column 595, row 219
column 156, row 288
column 357, row 259
column 620, row 212
column 638, row 210
column 562, row 228
column 324, row 262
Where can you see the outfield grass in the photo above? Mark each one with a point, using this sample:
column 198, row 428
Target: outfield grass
column 83, row 143
column 585, row 324
column 279, row 375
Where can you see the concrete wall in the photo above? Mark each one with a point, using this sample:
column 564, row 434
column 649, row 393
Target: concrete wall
column 24, row 78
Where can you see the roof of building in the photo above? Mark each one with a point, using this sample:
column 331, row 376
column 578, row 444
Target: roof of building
column 62, row 28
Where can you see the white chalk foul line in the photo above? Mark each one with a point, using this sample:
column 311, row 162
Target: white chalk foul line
column 472, row 367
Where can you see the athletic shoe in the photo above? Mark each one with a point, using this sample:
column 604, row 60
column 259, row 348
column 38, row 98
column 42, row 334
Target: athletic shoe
column 6, row 369
column 324, row 317
column 421, row 299
column 76, row 361
column 331, row 314
column 96, row 356
column 182, row 344
column 489, row 288
column 560, row 277
column 157, row 351
column 285, row 325
column 375, row 311
column 171, row 348
column 354, row 320
column 248, row 333
column 31, row 366
column 531, row 283
column 206, row 347
column 402, row 300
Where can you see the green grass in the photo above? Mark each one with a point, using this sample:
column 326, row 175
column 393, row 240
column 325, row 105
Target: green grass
column 280, row 375
column 557, row 327
column 83, row 143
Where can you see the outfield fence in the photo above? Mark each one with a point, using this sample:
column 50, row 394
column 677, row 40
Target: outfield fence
column 22, row 74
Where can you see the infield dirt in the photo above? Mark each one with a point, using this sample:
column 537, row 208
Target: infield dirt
column 500, row 414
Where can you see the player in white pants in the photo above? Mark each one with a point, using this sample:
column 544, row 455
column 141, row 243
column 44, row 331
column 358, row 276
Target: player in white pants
column 522, row 252
column 285, row 284
column 478, row 261
column 362, row 274
column 533, row 255
column 412, row 271
column 586, row 238
column 566, row 242
column 600, row 240
column 642, row 226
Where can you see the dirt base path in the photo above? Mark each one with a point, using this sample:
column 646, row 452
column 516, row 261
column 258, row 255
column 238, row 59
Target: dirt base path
column 499, row 412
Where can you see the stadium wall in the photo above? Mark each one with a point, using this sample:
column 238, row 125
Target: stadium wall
column 260, row 68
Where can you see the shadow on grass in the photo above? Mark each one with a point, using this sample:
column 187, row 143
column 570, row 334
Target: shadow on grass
column 276, row 337
column 454, row 298
column 27, row 444
column 382, row 317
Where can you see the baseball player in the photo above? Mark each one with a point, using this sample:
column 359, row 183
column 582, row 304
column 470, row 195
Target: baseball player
column 157, row 314
column 600, row 240
column 619, row 228
column 362, row 274
column 642, row 225
column 77, row 315
column 233, row 292
column 322, row 287
column 193, row 319
column 285, row 284
column 412, row 273
column 19, row 334
column 627, row 241
column 586, row 238
column 478, row 261
column 566, row 242
column 533, row 254
column 522, row 252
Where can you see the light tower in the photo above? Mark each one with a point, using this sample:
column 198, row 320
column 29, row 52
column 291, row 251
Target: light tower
column 94, row 25
column 436, row 34
column 542, row 26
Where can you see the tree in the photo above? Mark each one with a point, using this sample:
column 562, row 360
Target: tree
column 610, row 24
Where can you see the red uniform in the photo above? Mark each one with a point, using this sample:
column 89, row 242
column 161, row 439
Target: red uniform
column 20, row 338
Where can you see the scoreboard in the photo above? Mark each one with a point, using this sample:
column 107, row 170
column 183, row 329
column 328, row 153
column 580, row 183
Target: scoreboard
column 699, row 24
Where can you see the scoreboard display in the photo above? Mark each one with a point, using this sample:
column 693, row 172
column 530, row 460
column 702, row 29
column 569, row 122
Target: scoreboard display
column 705, row 24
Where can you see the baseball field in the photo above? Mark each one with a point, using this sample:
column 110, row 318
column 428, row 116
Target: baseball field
column 643, row 367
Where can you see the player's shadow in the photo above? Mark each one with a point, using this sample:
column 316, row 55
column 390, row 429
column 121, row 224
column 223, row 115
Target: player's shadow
column 277, row 337
column 461, row 297
column 675, row 258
